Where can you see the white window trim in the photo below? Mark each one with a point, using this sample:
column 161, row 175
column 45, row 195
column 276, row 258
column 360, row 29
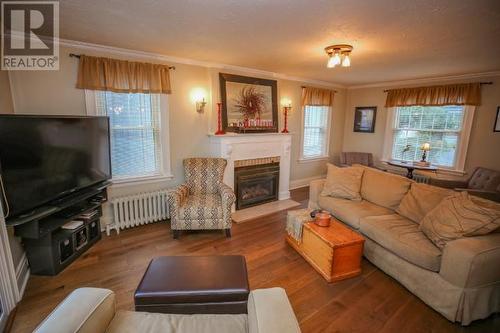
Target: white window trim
column 463, row 143
column 9, row 291
column 324, row 157
column 165, row 167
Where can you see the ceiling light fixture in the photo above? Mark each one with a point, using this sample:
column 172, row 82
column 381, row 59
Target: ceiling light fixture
column 338, row 55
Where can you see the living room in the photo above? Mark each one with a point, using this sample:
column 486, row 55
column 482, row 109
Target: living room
column 340, row 174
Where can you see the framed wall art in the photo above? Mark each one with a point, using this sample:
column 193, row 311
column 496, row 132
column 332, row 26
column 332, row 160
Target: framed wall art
column 364, row 119
column 496, row 128
column 249, row 104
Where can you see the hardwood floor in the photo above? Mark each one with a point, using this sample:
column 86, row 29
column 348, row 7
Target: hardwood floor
column 371, row 302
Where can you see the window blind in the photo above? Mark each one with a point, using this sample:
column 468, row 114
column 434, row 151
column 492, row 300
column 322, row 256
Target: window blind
column 315, row 131
column 135, row 132
column 441, row 126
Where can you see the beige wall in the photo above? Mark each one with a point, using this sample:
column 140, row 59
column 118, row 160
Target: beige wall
column 5, row 96
column 292, row 90
column 307, row 170
column 54, row 92
column 483, row 144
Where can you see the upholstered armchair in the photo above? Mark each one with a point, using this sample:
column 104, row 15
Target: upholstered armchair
column 203, row 202
column 482, row 182
column 350, row 158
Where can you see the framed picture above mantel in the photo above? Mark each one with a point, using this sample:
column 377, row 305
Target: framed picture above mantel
column 249, row 104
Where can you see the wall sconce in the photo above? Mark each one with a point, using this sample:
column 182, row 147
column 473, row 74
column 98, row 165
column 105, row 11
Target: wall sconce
column 198, row 97
column 200, row 106
column 287, row 106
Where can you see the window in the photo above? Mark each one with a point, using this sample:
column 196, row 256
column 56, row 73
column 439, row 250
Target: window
column 136, row 133
column 316, row 130
column 446, row 128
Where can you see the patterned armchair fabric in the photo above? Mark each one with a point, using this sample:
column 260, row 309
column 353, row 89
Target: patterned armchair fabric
column 204, row 201
column 203, row 175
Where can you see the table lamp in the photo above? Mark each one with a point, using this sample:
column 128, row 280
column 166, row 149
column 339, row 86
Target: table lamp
column 425, row 148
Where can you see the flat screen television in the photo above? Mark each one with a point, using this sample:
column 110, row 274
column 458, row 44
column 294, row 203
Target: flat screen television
column 44, row 158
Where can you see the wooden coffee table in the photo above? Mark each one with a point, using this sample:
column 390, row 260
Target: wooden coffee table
column 334, row 251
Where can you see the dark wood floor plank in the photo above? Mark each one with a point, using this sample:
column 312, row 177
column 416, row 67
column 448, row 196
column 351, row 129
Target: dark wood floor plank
column 371, row 302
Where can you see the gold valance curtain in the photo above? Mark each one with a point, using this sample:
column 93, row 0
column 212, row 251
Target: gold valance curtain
column 317, row 96
column 96, row 73
column 452, row 94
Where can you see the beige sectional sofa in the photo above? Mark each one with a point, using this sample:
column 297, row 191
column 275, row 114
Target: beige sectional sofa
column 462, row 281
column 93, row 310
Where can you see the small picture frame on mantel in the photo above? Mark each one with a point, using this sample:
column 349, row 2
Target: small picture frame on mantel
column 496, row 128
column 364, row 119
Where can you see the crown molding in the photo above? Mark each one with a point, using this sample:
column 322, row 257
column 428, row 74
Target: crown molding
column 187, row 61
column 426, row 80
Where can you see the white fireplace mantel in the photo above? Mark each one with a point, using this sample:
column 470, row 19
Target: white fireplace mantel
column 235, row 147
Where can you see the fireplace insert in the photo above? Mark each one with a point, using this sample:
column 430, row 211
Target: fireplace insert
column 256, row 184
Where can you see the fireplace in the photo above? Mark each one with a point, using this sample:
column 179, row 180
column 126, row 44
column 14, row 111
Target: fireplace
column 256, row 184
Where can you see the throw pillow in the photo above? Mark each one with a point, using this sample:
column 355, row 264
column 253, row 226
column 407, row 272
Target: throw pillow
column 459, row 216
column 343, row 182
column 421, row 199
column 383, row 188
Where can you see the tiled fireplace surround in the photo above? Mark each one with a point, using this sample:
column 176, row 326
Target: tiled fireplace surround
column 253, row 149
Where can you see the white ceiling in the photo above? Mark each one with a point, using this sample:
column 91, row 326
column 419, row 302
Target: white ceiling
column 392, row 39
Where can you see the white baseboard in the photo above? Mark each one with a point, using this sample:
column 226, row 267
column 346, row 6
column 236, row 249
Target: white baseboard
column 298, row 183
column 283, row 195
column 22, row 275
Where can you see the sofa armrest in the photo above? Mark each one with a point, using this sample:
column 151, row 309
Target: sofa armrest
column 447, row 183
column 485, row 194
column 85, row 310
column 175, row 199
column 315, row 188
column 269, row 311
column 472, row 261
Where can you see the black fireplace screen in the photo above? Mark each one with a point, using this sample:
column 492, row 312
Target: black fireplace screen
column 256, row 184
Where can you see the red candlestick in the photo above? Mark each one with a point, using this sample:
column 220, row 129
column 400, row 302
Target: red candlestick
column 219, row 120
column 285, row 129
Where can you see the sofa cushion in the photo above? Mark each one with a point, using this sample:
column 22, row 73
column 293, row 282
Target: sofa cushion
column 343, row 182
column 85, row 310
column 350, row 212
column 144, row 322
column 421, row 199
column 403, row 238
column 383, row 188
column 201, row 206
column 460, row 215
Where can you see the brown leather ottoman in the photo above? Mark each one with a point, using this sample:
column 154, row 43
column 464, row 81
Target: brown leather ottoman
column 190, row 285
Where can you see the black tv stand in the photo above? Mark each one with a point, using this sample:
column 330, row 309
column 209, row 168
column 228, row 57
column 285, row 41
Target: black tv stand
column 51, row 248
